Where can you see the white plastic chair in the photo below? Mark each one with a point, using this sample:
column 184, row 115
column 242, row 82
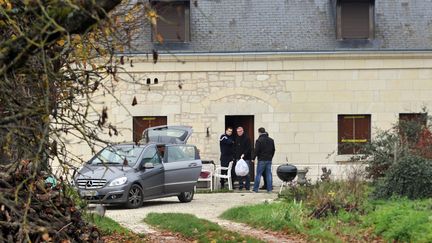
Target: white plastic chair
column 207, row 176
column 218, row 174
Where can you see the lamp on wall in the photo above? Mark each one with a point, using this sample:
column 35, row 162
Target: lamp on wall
column 208, row 132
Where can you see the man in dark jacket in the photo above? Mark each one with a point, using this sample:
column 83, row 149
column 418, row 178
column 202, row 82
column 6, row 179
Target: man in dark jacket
column 226, row 143
column 264, row 150
column 242, row 150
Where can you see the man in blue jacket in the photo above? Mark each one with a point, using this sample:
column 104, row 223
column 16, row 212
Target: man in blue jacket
column 264, row 151
column 226, row 143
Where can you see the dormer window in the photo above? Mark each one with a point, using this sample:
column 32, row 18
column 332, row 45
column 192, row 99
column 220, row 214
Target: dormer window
column 355, row 19
column 172, row 22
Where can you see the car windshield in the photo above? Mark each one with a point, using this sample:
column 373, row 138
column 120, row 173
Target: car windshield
column 117, row 155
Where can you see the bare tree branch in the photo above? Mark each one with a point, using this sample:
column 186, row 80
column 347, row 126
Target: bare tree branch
column 73, row 21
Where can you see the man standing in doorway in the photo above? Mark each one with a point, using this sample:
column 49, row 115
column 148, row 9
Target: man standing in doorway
column 264, row 151
column 226, row 143
column 242, row 149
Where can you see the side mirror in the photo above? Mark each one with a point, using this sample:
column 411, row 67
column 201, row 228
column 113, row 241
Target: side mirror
column 148, row 165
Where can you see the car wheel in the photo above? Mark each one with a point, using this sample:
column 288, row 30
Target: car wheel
column 135, row 197
column 186, row 196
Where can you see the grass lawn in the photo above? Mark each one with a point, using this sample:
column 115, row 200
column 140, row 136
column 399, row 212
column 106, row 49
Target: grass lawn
column 113, row 231
column 196, row 229
column 400, row 220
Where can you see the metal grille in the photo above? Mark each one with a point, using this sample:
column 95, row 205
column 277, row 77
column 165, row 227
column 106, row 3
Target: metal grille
column 91, row 184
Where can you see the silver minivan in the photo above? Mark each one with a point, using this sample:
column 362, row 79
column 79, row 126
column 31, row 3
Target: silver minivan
column 161, row 165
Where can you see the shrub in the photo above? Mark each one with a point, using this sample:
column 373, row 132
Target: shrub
column 295, row 192
column 384, row 149
column 410, row 176
column 399, row 160
column 327, row 198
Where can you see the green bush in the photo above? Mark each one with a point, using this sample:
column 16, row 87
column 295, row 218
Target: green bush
column 402, row 220
column 382, row 152
column 410, row 176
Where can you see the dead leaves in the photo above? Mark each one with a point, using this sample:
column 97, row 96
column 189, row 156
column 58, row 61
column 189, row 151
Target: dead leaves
column 134, row 101
column 152, row 16
column 102, row 120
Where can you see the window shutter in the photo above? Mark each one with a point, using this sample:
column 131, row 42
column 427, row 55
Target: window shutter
column 355, row 20
column 353, row 132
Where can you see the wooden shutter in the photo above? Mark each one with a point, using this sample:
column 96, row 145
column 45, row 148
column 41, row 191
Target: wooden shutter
column 353, row 132
column 173, row 23
column 355, row 19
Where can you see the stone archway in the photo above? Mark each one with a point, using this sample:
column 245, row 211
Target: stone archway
column 258, row 94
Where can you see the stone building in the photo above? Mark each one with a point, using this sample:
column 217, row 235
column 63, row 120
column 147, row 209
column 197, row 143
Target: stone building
column 317, row 74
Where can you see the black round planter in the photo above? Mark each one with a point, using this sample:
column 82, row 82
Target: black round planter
column 286, row 172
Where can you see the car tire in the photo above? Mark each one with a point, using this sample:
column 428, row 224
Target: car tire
column 135, row 197
column 186, row 196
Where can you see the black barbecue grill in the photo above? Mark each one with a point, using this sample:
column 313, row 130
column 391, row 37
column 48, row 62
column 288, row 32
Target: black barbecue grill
column 286, row 173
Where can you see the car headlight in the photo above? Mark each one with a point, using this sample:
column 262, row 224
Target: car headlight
column 118, row 182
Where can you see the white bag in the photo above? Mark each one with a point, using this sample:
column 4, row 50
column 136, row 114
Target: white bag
column 241, row 168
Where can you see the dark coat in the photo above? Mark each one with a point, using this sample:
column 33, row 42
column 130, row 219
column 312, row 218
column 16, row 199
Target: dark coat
column 264, row 148
column 226, row 147
column 243, row 146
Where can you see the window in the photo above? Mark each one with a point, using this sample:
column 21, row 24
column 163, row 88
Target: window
column 151, row 156
column 354, row 131
column 420, row 118
column 173, row 21
column 355, row 19
column 181, row 153
column 117, row 155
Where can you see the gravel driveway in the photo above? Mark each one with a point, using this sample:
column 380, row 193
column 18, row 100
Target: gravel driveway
column 207, row 206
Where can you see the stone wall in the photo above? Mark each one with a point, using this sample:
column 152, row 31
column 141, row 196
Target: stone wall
column 297, row 98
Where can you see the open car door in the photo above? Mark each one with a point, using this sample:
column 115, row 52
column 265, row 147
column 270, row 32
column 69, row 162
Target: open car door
column 182, row 167
column 167, row 134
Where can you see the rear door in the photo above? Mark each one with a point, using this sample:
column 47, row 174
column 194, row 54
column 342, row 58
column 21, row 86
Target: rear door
column 152, row 179
column 182, row 167
column 167, row 134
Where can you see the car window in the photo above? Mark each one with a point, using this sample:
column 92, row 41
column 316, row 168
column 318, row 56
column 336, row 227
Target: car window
column 118, row 155
column 151, row 156
column 180, row 153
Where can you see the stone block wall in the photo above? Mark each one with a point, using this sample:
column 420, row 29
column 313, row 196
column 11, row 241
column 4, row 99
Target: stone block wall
column 296, row 98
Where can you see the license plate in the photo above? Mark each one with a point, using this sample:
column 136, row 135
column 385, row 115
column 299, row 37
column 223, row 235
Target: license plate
column 89, row 193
